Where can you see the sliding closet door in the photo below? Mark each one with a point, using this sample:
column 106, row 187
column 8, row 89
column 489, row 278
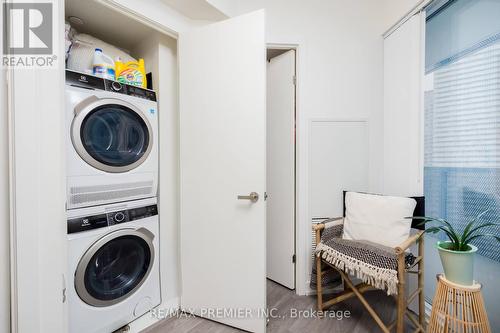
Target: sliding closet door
column 222, row 70
column 37, row 192
column 402, row 169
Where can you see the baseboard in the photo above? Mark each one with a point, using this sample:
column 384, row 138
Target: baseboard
column 147, row 320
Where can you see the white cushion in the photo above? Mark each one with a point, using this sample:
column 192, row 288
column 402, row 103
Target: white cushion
column 377, row 218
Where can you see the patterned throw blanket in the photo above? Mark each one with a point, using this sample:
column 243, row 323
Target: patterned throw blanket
column 372, row 263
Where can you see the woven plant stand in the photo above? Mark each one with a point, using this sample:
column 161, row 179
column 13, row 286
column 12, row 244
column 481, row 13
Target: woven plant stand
column 458, row 308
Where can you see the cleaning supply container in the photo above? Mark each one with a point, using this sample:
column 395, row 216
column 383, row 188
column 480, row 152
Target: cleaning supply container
column 82, row 52
column 102, row 65
column 132, row 72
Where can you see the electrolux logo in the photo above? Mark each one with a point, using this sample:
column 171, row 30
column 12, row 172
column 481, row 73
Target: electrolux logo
column 28, row 34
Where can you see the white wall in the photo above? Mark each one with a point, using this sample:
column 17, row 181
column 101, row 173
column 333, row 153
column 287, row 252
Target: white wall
column 340, row 76
column 340, row 63
column 4, row 204
column 394, row 10
column 340, row 71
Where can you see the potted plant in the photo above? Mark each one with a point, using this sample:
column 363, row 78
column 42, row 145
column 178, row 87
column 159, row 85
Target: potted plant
column 457, row 253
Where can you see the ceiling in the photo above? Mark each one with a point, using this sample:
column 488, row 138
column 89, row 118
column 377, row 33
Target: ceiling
column 127, row 34
column 196, row 9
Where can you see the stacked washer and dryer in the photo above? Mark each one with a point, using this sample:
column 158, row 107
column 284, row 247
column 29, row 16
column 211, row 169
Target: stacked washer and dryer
column 112, row 176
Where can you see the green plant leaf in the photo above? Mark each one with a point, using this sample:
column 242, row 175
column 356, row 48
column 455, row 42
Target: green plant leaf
column 452, row 236
column 451, row 229
column 418, row 218
column 459, row 241
column 424, row 219
column 446, row 227
column 484, row 235
column 467, row 230
column 432, row 230
column 466, row 239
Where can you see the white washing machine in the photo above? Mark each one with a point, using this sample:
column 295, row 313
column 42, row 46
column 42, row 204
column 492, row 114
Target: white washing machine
column 113, row 265
column 112, row 141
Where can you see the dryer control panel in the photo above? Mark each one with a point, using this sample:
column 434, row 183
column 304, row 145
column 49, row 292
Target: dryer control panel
column 88, row 81
column 85, row 223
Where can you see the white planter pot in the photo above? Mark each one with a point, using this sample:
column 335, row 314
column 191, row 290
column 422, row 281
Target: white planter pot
column 458, row 265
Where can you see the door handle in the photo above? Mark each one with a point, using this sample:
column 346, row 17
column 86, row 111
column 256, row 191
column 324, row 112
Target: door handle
column 253, row 197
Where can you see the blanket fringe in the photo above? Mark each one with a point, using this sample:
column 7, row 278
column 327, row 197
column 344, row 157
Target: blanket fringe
column 380, row 278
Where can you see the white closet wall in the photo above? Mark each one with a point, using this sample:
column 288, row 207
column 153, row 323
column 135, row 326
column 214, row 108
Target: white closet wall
column 4, row 204
column 160, row 55
column 403, row 117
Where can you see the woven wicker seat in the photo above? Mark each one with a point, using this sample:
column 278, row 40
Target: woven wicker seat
column 377, row 266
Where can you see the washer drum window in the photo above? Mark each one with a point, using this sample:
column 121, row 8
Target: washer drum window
column 114, row 267
column 111, row 135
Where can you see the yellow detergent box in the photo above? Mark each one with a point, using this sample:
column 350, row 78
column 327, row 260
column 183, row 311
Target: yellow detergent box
column 132, row 72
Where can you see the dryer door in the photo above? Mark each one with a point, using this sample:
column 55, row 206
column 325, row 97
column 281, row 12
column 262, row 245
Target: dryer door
column 111, row 135
column 114, row 267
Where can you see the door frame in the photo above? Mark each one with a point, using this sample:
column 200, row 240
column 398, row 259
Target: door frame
column 302, row 230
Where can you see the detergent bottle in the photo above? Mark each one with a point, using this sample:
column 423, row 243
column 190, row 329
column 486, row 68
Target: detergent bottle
column 103, row 66
column 132, row 72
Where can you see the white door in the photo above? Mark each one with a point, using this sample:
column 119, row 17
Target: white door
column 223, row 155
column 281, row 169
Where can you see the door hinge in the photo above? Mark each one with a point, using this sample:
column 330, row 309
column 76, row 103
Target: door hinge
column 64, row 289
column 294, row 258
column 294, row 80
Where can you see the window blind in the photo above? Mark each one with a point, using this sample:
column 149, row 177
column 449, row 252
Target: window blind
column 459, row 27
column 462, row 117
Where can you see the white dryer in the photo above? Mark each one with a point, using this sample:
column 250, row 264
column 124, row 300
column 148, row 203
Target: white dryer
column 112, row 141
column 113, row 265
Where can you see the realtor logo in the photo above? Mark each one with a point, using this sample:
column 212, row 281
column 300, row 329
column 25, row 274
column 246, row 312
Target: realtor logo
column 29, row 28
column 28, row 34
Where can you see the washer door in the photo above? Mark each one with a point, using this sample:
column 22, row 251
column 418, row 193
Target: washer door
column 111, row 135
column 114, row 267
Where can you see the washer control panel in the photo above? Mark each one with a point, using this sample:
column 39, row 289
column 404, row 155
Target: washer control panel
column 88, row 81
column 117, row 217
column 85, row 223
